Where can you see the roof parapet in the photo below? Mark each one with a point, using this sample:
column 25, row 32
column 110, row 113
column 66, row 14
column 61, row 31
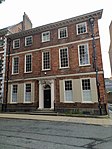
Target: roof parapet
column 96, row 14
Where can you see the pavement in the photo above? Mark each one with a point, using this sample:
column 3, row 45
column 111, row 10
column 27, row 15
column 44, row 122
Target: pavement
column 102, row 120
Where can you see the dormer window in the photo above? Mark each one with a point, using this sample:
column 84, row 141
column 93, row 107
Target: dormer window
column 62, row 32
column 81, row 28
column 28, row 41
column 16, row 43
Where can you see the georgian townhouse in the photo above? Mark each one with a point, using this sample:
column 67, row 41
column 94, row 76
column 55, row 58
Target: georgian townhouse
column 54, row 67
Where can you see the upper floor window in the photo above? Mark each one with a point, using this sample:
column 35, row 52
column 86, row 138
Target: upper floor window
column 16, row 43
column 28, row 41
column 83, row 54
column 14, row 93
column 46, row 60
column 1, row 41
column 1, row 64
column 46, row 36
column 15, row 65
column 64, row 58
column 62, row 33
column 68, row 90
column 28, row 89
column 81, row 28
column 86, row 90
column 28, row 63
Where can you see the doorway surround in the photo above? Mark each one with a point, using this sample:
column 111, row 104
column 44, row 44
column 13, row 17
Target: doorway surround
column 42, row 84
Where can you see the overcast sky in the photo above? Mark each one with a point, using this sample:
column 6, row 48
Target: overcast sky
column 42, row 12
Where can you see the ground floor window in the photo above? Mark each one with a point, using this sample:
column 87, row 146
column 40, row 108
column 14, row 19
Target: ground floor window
column 86, row 90
column 68, row 90
column 14, row 92
column 28, row 92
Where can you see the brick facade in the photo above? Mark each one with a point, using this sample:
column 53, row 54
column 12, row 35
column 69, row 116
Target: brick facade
column 42, row 80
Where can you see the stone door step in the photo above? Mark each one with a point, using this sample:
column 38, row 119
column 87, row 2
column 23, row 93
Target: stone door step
column 44, row 112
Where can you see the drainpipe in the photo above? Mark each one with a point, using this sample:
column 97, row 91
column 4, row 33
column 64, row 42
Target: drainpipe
column 91, row 21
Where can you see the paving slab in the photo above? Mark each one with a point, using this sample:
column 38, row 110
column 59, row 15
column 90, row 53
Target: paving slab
column 85, row 120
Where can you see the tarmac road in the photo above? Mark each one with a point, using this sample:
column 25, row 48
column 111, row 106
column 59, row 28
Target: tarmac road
column 39, row 134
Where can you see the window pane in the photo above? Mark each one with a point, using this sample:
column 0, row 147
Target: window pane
column 86, row 95
column 86, row 90
column 68, row 85
column 69, row 95
column 1, row 64
column 46, row 60
column 68, row 90
column 64, row 57
column 28, row 40
column 83, row 55
column 28, row 93
column 16, row 43
column 86, row 84
column 46, row 36
column 28, row 63
column 1, row 42
column 81, row 28
column 63, row 32
column 14, row 93
column 15, row 65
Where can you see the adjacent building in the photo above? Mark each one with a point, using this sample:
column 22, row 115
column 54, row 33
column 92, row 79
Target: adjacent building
column 54, row 67
column 108, row 81
column 108, row 85
column 21, row 26
column 110, row 48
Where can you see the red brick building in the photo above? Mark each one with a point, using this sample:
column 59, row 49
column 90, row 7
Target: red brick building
column 51, row 67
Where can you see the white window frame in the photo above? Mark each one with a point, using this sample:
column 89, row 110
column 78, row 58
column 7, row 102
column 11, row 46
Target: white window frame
column 47, row 37
column 25, row 93
column 26, row 40
column 85, row 101
column 43, row 61
column 12, row 93
column 14, row 47
column 59, row 32
column 13, row 65
column 84, row 44
column 25, row 63
column 83, row 23
column 60, row 57
column 65, row 100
